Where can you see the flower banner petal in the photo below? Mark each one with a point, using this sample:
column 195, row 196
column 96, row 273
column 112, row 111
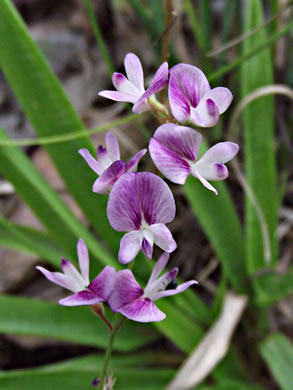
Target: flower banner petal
column 122, row 84
column 156, row 199
column 172, row 166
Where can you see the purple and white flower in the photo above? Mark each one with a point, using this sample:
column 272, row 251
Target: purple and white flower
column 141, row 204
column 192, row 99
column 85, row 293
column 174, row 151
column 131, row 88
column 108, row 164
column 137, row 304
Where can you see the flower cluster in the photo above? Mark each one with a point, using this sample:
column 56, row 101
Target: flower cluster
column 141, row 203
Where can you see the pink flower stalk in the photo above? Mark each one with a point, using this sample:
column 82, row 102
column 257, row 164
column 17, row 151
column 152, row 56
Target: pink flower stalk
column 131, row 88
column 85, row 293
column 129, row 299
column 108, row 164
column 174, row 151
column 141, row 204
column 192, row 99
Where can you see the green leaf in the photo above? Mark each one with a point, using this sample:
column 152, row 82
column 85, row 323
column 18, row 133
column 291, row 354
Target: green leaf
column 127, row 379
column 25, row 316
column 230, row 385
column 50, row 112
column 218, row 218
column 259, row 153
column 29, row 240
column 46, row 204
column 277, row 351
column 275, row 286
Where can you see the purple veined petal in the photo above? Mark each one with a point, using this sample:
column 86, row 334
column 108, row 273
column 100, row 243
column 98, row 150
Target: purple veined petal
column 91, row 161
column 221, row 153
column 221, row 96
column 182, row 140
column 118, row 96
column 130, row 245
column 159, row 82
column 137, row 196
column 102, row 286
column 179, row 104
column 203, row 180
column 126, row 290
column 84, row 297
column 158, row 268
column 122, row 84
column 147, row 248
column 142, row 310
column 134, row 71
column 83, row 260
column 105, row 182
column 187, row 87
column 156, row 199
column 178, row 290
column 112, row 146
column 163, row 237
column 212, row 171
column 69, row 270
column 132, row 165
column 123, row 208
column 206, row 114
column 172, row 166
column 59, row 278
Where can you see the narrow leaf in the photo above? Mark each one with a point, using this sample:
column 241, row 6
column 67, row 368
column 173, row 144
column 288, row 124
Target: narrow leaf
column 277, row 351
column 25, row 316
column 50, row 112
column 259, row 154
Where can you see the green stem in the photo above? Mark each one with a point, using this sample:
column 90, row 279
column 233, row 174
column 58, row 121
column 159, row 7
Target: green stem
column 117, row 322
column 99, row 37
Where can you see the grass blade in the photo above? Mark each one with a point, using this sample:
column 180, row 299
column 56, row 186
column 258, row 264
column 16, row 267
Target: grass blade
column 25, row 316
column 50, row 112
column 277, row 351
column 259, row 141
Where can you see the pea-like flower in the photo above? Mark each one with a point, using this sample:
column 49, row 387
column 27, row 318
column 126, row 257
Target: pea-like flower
column 85, row 293
column 174, row 151
column 108, row 164
column 131, row 88
column 141, row 204
column 137, row 304
column 192, row 99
